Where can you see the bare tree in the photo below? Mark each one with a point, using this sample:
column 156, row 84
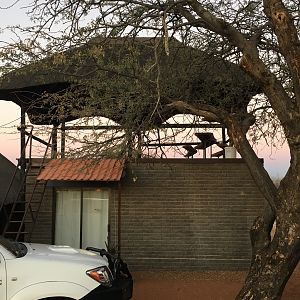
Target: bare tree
column 262, row 37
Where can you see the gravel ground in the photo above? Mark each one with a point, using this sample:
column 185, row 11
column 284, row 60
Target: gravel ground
column 199, row 285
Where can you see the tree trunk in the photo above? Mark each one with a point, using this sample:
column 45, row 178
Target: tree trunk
column 273, row 264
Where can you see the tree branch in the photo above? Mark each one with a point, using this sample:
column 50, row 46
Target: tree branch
column 208, row 112
column 250, row 61
column 257, row 170
column 288, row 39
column 218, row 25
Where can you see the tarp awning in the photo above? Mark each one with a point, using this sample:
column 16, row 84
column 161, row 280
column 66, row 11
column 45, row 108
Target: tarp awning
column 82, row 170
column 10, row 181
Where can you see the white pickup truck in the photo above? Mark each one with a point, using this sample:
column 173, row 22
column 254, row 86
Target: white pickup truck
column 48, row 272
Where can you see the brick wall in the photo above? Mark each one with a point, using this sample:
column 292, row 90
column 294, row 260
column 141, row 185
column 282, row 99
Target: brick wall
column 190, row 214
column 187, row 214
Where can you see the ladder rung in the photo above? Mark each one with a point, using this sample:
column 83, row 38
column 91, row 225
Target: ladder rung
column 35, row 193
column 26, row 202
column 20, row 221
column 15, row 232
column 23, row 211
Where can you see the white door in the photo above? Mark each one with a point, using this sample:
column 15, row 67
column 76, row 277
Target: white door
column 95, row 219
column 2, row 278
column 67, row 221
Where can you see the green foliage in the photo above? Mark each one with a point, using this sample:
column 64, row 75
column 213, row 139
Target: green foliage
column 132, row 80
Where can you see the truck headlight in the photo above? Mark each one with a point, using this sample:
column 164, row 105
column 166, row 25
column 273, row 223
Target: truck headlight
column 101, row 275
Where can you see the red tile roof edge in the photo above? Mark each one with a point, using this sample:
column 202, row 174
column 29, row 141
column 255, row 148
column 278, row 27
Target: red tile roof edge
column 82, row 170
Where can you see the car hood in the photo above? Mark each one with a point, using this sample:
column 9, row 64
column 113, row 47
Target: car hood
column 64, row 253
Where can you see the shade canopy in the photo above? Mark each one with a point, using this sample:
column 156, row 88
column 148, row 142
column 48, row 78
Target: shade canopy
column 129, row 80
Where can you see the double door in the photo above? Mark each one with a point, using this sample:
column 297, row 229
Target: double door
column 81, row 218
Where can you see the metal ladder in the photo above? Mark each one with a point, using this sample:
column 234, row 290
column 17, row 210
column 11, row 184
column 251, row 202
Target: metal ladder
column 23, row 213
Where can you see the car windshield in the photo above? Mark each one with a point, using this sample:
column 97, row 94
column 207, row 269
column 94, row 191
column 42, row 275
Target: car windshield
column 16, row 248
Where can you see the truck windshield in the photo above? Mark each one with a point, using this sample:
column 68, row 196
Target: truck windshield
column 16, row 248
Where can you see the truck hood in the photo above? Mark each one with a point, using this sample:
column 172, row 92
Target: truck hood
column 60, row 265
column 64, row 253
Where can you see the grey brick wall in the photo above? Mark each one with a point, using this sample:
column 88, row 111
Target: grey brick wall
column 187, row 214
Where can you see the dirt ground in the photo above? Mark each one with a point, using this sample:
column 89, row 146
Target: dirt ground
column 199, row 285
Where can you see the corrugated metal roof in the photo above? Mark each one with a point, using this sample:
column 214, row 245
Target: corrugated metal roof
column 82, row 170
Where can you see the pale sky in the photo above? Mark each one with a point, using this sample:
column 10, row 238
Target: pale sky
column 276, row 162
column 9, row 138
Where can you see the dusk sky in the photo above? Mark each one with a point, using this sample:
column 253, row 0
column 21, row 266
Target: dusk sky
column 276, row 161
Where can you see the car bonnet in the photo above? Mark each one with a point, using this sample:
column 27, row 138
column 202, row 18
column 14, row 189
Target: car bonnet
column 65, row 253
